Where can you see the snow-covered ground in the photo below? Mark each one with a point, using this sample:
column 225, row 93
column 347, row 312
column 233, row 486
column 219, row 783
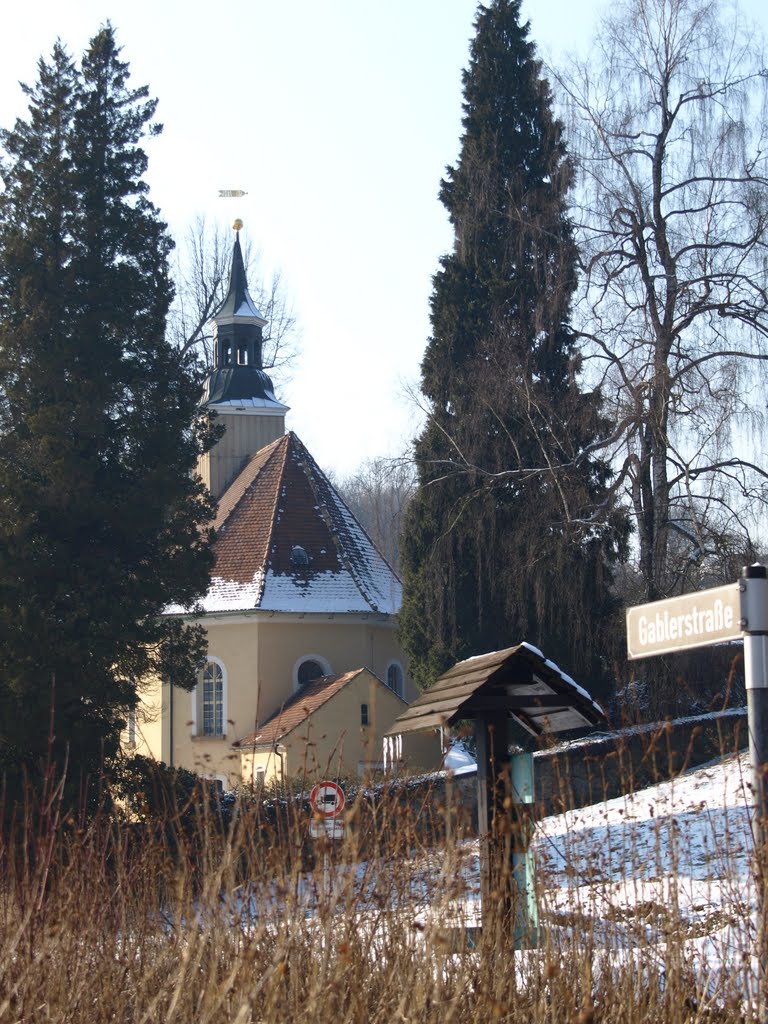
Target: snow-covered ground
column 661, row 880
column 696, row 827
column 670, row 864
column 665, row 872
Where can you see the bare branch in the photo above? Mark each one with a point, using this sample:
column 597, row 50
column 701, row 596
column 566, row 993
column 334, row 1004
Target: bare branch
column 668, row 125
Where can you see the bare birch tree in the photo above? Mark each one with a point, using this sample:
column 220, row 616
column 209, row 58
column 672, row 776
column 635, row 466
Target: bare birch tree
column 667, row 120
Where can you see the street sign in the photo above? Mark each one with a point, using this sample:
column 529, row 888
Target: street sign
column 691, row 620
column 737, row 611
column 326, row 828
column 327, row 799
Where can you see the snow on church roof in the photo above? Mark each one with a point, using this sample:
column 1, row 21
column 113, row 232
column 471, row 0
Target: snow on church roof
column 286, row 542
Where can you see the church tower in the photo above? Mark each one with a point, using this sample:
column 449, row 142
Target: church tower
column 304, row 665
column 237, row 388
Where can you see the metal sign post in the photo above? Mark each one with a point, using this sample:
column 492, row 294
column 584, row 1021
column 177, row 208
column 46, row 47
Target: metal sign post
column 755, row 619
column 505, row 823
column 734, row 612
column 327, row 802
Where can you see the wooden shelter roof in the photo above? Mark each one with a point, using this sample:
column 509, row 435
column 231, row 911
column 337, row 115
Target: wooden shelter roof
column 518, row 680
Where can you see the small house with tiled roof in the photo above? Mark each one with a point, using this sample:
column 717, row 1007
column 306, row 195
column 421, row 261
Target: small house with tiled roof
column 346, row 709
column 299, row 600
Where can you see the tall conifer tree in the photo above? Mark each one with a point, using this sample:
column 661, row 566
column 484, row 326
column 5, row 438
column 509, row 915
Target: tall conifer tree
column 511, row 533
column 101, row 514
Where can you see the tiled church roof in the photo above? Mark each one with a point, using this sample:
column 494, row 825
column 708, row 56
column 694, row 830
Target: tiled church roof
column 287, row 542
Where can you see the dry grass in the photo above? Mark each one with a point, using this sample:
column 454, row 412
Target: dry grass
column 113, row 922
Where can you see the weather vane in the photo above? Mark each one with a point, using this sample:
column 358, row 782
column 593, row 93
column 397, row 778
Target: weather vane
column 231, row 193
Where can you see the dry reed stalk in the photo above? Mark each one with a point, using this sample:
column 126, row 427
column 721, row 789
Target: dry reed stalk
column 172, row 923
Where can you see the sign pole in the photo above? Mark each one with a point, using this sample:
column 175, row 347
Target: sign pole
column 327, row 801
column 755, row 624
column 733, row 612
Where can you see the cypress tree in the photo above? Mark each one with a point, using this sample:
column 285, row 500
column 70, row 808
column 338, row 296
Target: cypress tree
column 103, row 520
column 511, row 533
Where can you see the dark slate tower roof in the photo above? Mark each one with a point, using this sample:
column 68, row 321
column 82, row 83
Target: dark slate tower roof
column 286, row 542
column 238, row 302
column 238, row 375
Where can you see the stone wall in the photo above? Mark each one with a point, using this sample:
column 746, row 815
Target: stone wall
column 614, row 764
column 586, row 771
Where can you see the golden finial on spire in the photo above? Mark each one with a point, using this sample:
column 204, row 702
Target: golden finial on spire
column 238, row 224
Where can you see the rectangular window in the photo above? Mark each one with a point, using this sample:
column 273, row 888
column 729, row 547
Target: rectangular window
column 364, row 714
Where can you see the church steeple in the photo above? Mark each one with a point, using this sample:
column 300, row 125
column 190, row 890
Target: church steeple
column 238, row 389
column 237, row 340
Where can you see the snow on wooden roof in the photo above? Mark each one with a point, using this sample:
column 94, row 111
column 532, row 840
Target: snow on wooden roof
column 518, row 680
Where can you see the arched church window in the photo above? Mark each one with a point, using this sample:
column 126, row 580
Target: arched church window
column 242, row 357
column 395, row 678
column 309, row 671
column 210, row 700
column 309, row 668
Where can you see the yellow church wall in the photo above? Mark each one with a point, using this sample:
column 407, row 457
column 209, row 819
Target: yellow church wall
column 235, row 648
column 209, row 756
column 261, row 766
column 146, row 735
column 149, row 720
column 259, row 655
column 340, row 643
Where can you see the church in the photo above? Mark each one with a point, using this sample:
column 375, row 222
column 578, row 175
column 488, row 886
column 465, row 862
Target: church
column 304, row 672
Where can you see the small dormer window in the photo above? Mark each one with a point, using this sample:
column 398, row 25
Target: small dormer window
column 309, row 670
column 299, row 556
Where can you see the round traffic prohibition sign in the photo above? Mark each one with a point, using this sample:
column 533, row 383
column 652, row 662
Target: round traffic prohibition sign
column 327, row 799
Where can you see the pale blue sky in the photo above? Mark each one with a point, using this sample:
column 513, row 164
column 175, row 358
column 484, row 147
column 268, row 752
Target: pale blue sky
column 338, row 119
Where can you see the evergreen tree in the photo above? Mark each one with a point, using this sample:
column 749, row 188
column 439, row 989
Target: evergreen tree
column 101, row 514
column 510, row 535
